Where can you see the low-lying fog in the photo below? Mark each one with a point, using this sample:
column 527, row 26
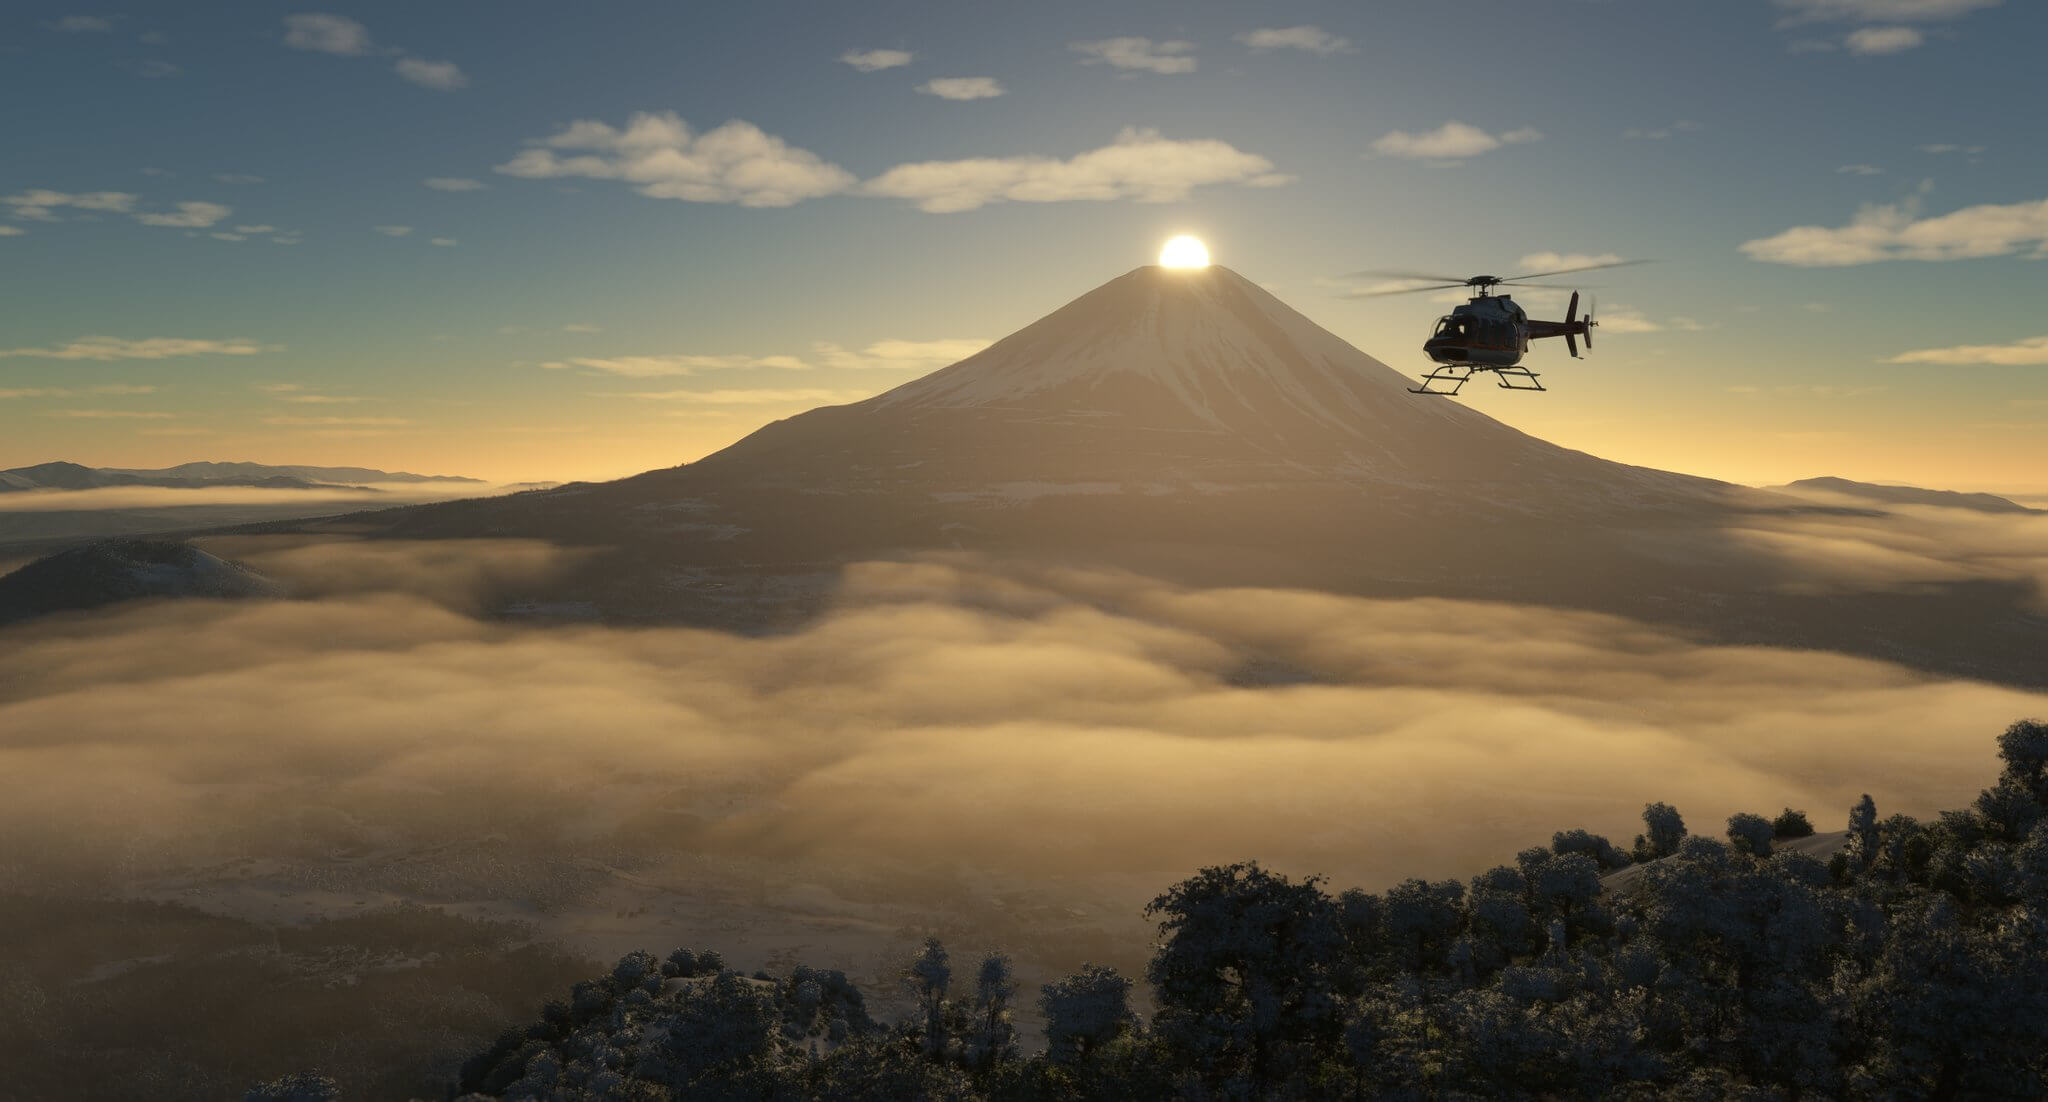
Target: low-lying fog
column 135, row 510
column 1014, row 756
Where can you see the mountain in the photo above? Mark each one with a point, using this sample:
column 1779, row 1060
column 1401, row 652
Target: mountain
column 108, row 571
column 1190, row 426
column 1909, row 495
column 73, row 476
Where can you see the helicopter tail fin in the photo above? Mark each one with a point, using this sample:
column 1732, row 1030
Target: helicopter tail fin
column 1571, row 317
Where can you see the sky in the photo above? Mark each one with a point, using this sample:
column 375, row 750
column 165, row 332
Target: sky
column 522, row 240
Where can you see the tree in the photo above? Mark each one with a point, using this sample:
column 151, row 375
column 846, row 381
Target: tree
column 993, row 1039
column 1750, row 834
column 1664, row 828
column 1085, row 1012
column 928, row 977
column 1791, row 824
column 1245, row 975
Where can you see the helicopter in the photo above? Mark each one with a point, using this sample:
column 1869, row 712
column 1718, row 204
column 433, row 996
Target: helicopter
column 1492, row 332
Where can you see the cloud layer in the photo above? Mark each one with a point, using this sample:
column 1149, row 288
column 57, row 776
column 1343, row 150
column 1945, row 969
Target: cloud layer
column 1138, row 54
column 1894, row 232
column 1017, row 721
column 147, row 348
column 663, row 158
column 1452, row 141
column 1141, row 164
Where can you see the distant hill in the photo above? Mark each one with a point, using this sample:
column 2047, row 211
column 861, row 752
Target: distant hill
column 74, row 476
column 110, row 571
column 1909, row 495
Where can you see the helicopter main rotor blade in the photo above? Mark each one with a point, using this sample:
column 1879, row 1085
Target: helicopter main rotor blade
column 1380, row 273
column 1405, row 290
column 1568, row 271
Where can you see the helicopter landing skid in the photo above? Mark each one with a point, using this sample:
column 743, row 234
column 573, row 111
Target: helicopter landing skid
column 1457, row 375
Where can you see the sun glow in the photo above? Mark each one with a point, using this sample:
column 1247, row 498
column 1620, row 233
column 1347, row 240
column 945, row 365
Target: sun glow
column 1184, row 252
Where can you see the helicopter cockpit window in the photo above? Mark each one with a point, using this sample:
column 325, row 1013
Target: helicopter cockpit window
column 1450, row 327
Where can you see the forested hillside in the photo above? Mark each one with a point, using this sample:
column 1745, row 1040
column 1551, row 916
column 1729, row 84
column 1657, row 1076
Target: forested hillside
column 1913, row 964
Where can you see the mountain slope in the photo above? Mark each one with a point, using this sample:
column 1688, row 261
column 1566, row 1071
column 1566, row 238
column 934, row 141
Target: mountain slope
column 1908, row 495
column 115, row 570
column 73, row 476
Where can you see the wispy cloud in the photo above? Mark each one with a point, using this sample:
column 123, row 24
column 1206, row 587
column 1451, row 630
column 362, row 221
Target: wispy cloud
column 1892, row 232
column 1141, row 165
column 1661, row 133
column 454, row 183
column 1452, row 141
column 80, row 24
column 765, row 396
column 1860, row 170
column 41, row 205
column 662, row 157
column 327, row 34
column 962, row 88
column 443, row 242
column 1314, row 40
column 871, row 61
column 393, row 231
column 444, row 76
column 148, row 348
column 1881, row 11
column 187, row 215
column 111, row 414
column 336, row 421
column 1942, row 149
column 11, row 231
column 72, row 392
column 901, row 355
column 648, row 367
column 1138, row 54
column 2028, row 352
column 238, row 178
column 1878, row 41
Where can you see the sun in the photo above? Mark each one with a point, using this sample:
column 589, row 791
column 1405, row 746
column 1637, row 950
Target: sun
column 1184, row 252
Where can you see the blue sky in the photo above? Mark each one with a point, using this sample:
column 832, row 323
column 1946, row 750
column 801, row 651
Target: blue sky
column 233, row 200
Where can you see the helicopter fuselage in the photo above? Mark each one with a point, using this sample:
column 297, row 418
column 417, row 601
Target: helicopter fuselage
column 1489, row 331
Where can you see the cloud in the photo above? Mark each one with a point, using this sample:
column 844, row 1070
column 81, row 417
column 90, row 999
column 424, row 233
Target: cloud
column 948, row 722
column 580, row 327
column 870, row 61
column 1892, row 232
column 110, row 414
column 445, row 76
column 1552, row 261
column 1313, row 40
column 1661, row 133
column 238, row 178
column 767, row 396
column 148, row 348
column 663, row 158
column 328, row 34
column 648, row 367
column 901, row 355
column 1138, row 54
column 68, row 392
column 1877, row 41
column 188, row 215
column 11, row 231
column 443, row 242
column 962, row 88
column 1450, row 142
column 256, row 229
column 1140, row 165
column 1944, row 148
column 1881, row 11
column 35, row 204
column 2027, row 352
column 1860, row 170
column 454, row 183
column 80, row 24
column 336, row 421
column 393, row 231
